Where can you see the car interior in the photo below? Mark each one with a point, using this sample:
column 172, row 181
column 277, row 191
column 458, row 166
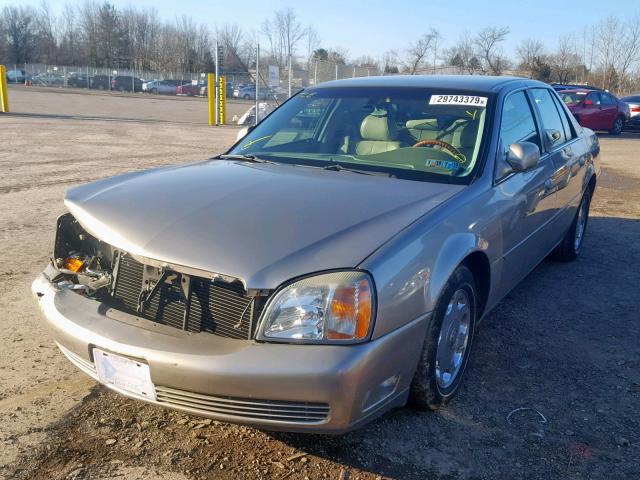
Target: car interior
column 372, row 130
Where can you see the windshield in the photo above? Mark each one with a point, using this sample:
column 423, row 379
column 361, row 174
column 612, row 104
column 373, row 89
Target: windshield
column 572, row 98
column 407, row 132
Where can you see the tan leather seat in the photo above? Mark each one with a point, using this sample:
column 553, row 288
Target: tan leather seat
column 464, row 139
column 379, row 134
column 423, row 129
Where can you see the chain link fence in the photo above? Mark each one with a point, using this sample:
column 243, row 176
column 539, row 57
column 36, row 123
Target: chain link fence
column 275, row 84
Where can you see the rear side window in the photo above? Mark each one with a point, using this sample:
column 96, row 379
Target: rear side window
column 568, row 132
column 594, row 97
column 551, row 120
column 608, row 99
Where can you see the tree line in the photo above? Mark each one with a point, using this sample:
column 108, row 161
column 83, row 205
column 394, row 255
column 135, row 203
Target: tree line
column 96, row 34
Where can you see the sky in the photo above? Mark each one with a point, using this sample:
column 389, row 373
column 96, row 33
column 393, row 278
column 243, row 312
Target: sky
column 375, row 26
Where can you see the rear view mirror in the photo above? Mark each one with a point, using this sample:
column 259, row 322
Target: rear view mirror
column 523, row 156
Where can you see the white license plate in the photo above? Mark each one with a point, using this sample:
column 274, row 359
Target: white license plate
column 124, row 374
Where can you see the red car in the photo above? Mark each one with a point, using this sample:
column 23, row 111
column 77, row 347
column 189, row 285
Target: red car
column 596, row 109
column 191, row 90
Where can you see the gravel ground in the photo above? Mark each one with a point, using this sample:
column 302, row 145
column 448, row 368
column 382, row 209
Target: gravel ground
column 564, row 343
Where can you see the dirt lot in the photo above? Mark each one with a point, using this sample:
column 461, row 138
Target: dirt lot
column 565, row 342
column 81, row 104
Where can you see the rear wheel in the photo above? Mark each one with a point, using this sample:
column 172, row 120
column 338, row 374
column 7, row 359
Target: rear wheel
column 447, row 344
column 618, row 125
column 571, row 245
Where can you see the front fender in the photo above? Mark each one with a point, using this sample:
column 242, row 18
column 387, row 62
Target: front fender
column 411, row 275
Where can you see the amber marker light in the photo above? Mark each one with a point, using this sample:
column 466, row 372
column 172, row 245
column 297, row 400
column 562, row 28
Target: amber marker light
column 74, row 264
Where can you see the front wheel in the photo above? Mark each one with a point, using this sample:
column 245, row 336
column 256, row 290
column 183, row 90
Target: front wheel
column 617, row 127
column 571, row 245
column 447, row 344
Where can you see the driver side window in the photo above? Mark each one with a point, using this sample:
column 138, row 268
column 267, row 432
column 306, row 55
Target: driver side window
column 518, row 125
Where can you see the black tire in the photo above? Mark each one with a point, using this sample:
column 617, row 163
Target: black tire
column 247, row 96
column 569, row 248
column 154, row 91
column 426, row 392
column 618, row 126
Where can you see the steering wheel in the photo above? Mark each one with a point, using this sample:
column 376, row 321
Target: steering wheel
column 447, row 147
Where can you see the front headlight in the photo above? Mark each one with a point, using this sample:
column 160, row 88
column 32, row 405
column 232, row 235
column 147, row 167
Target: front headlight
column 334, row 306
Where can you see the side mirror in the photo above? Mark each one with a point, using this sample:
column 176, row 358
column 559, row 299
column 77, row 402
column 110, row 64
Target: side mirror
column 523, row 156
column 588, row 102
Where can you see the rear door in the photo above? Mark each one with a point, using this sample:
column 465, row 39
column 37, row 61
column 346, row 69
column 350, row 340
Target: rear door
column 569, row 154
column 590, row 113
column 609, row 110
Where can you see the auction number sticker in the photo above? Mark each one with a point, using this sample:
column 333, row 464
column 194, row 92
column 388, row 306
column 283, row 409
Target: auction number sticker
column 471, row 100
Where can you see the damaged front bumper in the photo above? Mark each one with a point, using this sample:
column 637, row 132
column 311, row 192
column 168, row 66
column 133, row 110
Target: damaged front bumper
column 310, row 388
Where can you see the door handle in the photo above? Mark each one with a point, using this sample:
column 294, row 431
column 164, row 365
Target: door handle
column 567, row 153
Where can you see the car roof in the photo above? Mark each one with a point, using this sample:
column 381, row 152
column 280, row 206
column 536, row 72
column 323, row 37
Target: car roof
column 580, row 90
column 483, row 83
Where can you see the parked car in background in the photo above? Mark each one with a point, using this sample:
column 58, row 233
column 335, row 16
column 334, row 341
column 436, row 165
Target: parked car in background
column 162, row 87
column 248, row 92
column 596, row 109
column 191, row 90
column 572, row 86
column 100, row 82
column 633, row 101
column 126, row 83
column 78, row 80
column 48, row 79
column 394, row 213
column 18, row 76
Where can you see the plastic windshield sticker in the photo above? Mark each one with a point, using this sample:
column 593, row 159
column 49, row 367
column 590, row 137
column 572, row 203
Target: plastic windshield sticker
column 444, row 164
column 458, row 100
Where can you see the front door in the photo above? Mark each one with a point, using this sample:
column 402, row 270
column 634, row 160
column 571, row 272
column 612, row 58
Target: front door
column 529, row 198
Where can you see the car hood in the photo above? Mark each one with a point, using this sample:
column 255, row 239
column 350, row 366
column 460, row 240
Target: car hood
column 261, row 223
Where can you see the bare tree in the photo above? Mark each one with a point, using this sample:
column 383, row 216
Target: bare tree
column 284, row 33
column 417, row 53
column 528, row 51
column 19, row 32
column 565, row 62
column 487, row 43
column 463, row 56
column 390, row 62
column 312, row 40
column 237, row 50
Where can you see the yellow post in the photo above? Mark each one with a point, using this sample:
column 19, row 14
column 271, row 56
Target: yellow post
column 211, row 95
column 222, row 100
column 4, row 97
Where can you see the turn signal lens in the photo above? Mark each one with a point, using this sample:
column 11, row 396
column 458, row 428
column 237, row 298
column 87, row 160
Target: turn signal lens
column 350, row 312
column 74, row 264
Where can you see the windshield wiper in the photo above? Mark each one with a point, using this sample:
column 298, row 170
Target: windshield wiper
column 338, row 167
column 243, row 158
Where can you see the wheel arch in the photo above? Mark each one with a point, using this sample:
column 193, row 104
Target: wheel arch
column 467, row 250
column 478, row 263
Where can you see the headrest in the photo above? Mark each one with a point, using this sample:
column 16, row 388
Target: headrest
column 378, row 127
